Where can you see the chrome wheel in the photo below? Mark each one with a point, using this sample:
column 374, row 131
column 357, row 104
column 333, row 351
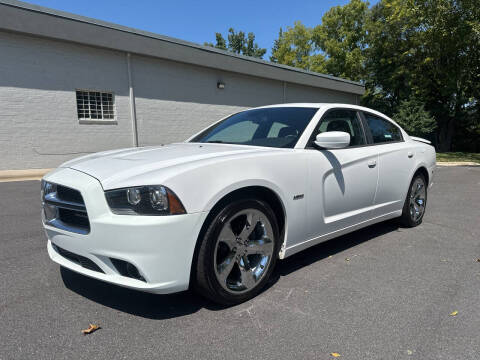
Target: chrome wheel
column 243, row 251
column 417, row 199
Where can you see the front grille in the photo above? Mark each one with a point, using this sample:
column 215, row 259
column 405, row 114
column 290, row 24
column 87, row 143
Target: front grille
column 78, row 259
column 67, row 194
column 74, row 218
column 65, row 209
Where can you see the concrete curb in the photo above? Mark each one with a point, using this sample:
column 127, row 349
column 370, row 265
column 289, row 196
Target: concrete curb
column 457, row 163
column 22, row 175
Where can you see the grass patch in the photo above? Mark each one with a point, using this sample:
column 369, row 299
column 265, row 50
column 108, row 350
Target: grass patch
column 458, row 157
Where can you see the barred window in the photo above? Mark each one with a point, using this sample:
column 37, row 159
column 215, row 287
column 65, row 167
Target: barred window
column 95, row 105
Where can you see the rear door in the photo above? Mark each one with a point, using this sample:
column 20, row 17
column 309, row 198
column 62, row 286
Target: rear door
column 342, row 181
column 395, row 163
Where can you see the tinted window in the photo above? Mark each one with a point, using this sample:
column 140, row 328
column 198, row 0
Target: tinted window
column 236, row 133
column 273, row 127
column 382, row 130
column 343, row 120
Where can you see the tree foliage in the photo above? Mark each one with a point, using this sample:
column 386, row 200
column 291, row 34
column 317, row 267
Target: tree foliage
column 412, row 116
column 336, row 46
column 429, row 49
column 342, row 37
column 238, row 43
column 220, row 42
column 295, row 47
column 407, row 53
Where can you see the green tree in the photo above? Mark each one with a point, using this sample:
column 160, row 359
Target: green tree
column 342, row 38
column 406, row 53
column 220, row 42
column 295, row 47
column 429, row 49
column 448, row 73
column 251, row 48
column 413, row 117
column 389, row 56
column 238, row 43
column 276, row 46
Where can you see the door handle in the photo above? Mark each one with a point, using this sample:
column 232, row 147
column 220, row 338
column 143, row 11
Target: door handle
column 372, row 163
column 410, row 154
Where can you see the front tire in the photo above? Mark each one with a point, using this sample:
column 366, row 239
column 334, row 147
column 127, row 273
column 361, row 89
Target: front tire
column 415, row 202
column 238, row 252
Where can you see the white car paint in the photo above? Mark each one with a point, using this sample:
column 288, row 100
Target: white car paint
column 343, row 190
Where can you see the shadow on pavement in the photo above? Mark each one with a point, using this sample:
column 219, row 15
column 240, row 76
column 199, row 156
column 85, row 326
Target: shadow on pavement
column 137, row 303
column 158, row 307
column 333, row 246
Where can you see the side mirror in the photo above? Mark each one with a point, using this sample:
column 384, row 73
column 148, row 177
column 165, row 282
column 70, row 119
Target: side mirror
column 332, row 140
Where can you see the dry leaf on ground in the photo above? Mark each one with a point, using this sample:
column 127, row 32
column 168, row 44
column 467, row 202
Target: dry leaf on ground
column 454, row 313
column 91, row 328
column 336, row 355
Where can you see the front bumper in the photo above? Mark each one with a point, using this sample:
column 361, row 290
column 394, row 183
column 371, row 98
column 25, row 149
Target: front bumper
column 160, row 247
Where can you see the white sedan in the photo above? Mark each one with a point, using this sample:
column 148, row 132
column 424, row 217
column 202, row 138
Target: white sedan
column 217, row 211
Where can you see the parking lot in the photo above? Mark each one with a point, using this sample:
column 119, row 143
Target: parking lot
column 383, row 292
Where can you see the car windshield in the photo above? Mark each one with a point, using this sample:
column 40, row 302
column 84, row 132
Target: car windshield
column 272, row 127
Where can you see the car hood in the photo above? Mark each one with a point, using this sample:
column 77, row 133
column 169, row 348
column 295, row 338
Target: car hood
column 116, row 167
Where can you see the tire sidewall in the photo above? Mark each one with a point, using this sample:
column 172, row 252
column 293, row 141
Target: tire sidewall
column 406, row 209
column 210, row 241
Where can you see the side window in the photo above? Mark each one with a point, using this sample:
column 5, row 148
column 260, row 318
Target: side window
column 343, row 120
column 382, row 130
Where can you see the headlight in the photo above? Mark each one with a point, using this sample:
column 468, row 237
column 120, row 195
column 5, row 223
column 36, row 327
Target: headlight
column 144, row 200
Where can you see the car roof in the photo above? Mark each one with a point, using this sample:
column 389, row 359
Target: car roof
column 327, row 106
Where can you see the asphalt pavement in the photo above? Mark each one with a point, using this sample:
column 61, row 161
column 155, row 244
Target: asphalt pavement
column 383, row 292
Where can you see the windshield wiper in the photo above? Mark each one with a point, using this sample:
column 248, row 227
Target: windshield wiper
column 216, row 142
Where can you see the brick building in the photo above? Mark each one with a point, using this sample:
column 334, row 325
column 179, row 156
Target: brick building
column 71, row 85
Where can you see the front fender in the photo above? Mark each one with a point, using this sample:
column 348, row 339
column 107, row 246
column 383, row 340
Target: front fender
column 284, row 173
column 243, row 184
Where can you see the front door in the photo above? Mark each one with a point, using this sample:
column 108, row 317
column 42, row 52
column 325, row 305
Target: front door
column 342, row 181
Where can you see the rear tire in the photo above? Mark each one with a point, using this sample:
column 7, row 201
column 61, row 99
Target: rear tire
column 415, row 202
column 237, row 253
